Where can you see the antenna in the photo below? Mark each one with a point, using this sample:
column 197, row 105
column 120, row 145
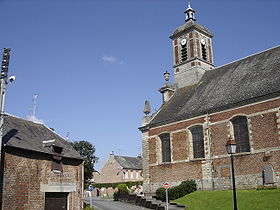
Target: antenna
column 119, row 151
column 33, row 107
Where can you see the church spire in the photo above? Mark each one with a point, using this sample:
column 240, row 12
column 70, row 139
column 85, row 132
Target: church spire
column 189, row 12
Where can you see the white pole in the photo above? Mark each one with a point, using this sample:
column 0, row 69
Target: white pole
column 166, row 198
column 91, row 201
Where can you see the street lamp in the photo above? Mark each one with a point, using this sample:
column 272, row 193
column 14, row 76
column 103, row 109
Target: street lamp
column 231, row 149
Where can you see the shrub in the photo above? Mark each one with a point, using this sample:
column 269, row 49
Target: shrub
column 114, row 185
column 116, row 196
column 184, row 188
column 266, row 187
column 122, row 188
column 161, row 194
column 87, row 207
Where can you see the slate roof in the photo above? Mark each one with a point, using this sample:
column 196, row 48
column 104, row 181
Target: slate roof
column 188, row 26
column 130, row 162
column 250, row 79
column 28, row 135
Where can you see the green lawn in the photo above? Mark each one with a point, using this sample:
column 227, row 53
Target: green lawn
column 223, row 200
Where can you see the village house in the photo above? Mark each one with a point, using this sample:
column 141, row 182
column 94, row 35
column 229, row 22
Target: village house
column 41, row 170
column 205, row 107
column 118, row 169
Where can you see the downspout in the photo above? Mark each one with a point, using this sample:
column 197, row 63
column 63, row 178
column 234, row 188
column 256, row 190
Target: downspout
column 83, row 168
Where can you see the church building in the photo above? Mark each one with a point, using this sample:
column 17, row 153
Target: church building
column 205, row 107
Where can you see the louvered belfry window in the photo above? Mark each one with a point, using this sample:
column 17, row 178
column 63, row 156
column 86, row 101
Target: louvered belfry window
column 198, row 141
column 165, row 147
column 241, row 135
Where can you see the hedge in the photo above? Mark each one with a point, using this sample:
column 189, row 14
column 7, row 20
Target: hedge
column 184, row 188
column 115, row 185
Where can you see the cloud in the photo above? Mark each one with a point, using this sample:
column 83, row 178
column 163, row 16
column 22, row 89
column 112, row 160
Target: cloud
column 34, row 119
column 109, row 59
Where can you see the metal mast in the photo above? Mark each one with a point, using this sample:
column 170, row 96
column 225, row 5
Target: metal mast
column 3, row 83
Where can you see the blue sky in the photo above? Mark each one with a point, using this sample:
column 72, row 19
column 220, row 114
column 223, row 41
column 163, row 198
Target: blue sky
column 93, row 63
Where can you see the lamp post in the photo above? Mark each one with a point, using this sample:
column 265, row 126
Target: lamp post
column 231, row 149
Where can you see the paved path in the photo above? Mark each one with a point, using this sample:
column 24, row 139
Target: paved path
column 108, row 204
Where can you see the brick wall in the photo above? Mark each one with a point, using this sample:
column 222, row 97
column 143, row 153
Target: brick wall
column 25, row 172
column 264, row 136
column 112, row 172
column 176, row 171
column 268, row 123
column 180, row 146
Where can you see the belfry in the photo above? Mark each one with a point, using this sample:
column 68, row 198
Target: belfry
column 192, row 51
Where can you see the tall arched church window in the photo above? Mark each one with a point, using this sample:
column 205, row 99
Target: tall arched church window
column 241, row 135
column 165, row 147
column 198, row 141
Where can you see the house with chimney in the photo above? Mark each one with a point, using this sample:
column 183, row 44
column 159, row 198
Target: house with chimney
column 119, row 169
column 205, row 107
column 39, row 169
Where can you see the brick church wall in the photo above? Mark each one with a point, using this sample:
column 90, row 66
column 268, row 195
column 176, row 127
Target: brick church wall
column 264, row 137
column 180, row 146
column 26, row 171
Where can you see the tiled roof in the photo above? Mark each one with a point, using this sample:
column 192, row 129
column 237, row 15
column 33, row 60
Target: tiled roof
column 130, row 162
column 250, row 79
column 28, row 135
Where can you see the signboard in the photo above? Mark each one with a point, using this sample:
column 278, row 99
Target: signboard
column 90, row 187
column 166, row 185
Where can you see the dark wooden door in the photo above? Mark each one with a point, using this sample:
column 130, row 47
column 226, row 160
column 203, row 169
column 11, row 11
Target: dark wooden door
column 56, row 201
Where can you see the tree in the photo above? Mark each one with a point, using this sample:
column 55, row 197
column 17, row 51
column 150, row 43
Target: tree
column 86, row 150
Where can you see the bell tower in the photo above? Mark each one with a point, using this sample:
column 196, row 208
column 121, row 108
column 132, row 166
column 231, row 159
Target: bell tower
column 192, row 51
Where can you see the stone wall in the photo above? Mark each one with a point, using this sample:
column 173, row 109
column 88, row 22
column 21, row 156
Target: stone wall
column 28, row 175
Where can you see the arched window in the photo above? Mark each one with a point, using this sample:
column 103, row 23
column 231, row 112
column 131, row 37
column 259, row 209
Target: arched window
column 241, row 135
column 198, row 141
column 165, row 147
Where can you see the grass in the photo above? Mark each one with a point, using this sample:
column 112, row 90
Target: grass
column 223, row 200
column 107, row 197
column 87, row 207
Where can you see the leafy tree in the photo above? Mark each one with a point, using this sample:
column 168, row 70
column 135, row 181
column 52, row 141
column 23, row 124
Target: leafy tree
column 86, row 150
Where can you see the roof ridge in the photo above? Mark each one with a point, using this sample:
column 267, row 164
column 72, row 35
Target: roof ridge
column 125, row 156
column 36, row 123
column 248, row 56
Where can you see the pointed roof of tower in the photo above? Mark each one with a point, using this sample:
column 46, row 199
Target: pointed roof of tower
column 190, row 24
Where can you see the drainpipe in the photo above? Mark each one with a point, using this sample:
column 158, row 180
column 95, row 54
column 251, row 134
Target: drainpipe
column 83, row 168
